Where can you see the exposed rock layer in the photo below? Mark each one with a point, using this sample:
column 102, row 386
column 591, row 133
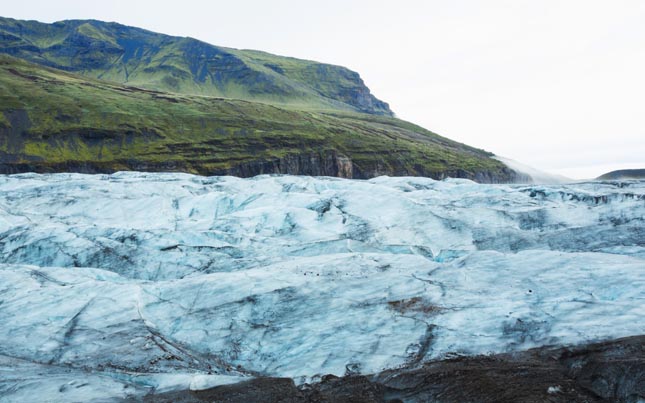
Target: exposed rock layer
column 324, row 163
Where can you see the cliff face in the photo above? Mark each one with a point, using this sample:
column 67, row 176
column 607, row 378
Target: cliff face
column 138, row 57
column 332, row 164
column 324, row 163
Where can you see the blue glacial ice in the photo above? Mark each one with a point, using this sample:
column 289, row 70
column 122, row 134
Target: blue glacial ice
column 113, row 285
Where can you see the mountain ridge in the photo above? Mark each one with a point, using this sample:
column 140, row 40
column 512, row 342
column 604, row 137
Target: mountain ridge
column 623, row 174
column 98, row 97
column 135, row 56
column 56, row 121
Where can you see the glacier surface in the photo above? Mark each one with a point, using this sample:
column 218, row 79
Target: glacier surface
column 115, row 285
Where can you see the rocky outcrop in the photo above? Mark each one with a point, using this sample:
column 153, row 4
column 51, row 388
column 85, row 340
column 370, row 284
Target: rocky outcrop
column 333, row 163
column 327, row 163
column 352, row 91
column 612, row 371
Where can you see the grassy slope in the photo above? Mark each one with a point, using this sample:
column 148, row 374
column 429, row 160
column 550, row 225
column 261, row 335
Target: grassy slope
column 122, row 54
column 49, row 117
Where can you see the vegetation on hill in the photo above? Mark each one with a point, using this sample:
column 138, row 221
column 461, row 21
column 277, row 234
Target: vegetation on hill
column 133, row 56
column 51, row 120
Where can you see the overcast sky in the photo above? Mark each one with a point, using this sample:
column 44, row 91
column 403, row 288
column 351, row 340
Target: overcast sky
column 556, row 84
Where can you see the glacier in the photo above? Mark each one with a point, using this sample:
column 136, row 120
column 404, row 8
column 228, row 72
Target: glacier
column 112, row 286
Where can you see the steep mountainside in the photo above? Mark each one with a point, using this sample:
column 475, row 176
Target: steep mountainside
column 133, row 56
column 53, row 121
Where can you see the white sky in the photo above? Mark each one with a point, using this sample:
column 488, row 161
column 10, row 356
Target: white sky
column 556, row 84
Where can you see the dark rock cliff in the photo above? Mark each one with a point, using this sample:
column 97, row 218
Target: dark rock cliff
column 332, row 163
column 327, row 163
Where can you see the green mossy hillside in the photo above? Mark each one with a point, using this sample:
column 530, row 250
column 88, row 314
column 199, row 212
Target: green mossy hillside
column 133, row 56
column 52, row 120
